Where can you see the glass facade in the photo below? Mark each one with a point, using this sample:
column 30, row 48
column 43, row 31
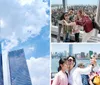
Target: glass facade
column 1, row 68
column 70, row 49
column 19, row 73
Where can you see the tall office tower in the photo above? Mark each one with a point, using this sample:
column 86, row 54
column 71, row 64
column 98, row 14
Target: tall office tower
column 82, row 54
column 1, row 68
column 70, row 49
column 64, row 2
column 19, row 74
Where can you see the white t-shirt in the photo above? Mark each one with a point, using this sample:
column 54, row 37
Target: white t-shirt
column 75, row 75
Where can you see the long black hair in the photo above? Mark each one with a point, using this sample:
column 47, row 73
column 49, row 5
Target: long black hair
column 61, row 61
column 62, row 16
column 74, row 60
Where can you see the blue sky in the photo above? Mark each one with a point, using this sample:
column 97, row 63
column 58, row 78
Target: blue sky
column 74, row 2
column 77, row 48
column 30, row 28
column 40, row 44
column 25, row 24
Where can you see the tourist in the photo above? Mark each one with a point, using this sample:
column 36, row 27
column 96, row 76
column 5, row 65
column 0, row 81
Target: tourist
column 74, row 73
column 86, row 22
column 85, row 78
column 66, row 29
column 61, row 76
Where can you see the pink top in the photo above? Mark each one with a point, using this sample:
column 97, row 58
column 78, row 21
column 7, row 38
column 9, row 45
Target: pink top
column 60, row 79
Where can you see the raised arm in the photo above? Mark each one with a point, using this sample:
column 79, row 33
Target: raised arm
column 86, row 70
column 80, row 22
column 69, row 24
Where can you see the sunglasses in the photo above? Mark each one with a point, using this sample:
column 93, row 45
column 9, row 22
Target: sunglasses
column 65, row 15
column 70, row 60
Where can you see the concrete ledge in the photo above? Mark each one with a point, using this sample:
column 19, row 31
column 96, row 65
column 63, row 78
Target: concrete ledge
column 54, row 31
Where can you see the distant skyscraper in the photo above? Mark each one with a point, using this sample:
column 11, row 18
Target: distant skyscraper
column 64, row 2
column 1, row 68
column 70, row 49
column 19, row 73
column 65, row 53
column 82, row 55
column 78, row 56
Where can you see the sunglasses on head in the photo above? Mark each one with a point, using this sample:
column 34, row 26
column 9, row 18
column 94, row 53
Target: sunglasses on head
column 65, row 15
column 70, row 60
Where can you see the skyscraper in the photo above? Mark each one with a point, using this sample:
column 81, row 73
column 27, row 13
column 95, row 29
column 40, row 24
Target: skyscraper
column 1, row 68
column 19, row 73
column 70, row 49
column 82, row 54
column 64, row 2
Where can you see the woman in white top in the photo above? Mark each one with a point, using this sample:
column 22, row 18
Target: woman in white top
column 74, row 73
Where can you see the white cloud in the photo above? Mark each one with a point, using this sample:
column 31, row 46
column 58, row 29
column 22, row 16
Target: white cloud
column 31, row 48
column 10, row 42
column 39, row 69
column 2, row 23
column 25, row 2
column 24, row 17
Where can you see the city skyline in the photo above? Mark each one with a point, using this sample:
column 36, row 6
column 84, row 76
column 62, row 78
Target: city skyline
column 81, row 55
column 77, row 48
column 77, row 2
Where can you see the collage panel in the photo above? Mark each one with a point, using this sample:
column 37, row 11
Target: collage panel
column 75, row 21
column 49, row 42
column 24, row 42
column 75, row 64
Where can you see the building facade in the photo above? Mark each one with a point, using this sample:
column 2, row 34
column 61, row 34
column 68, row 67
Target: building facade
column 19, row 74
column 1, row 68
column 70, row 49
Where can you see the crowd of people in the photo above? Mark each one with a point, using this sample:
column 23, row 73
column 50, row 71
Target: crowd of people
column 70, row 74
column 57, row 12
column 74, row 20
